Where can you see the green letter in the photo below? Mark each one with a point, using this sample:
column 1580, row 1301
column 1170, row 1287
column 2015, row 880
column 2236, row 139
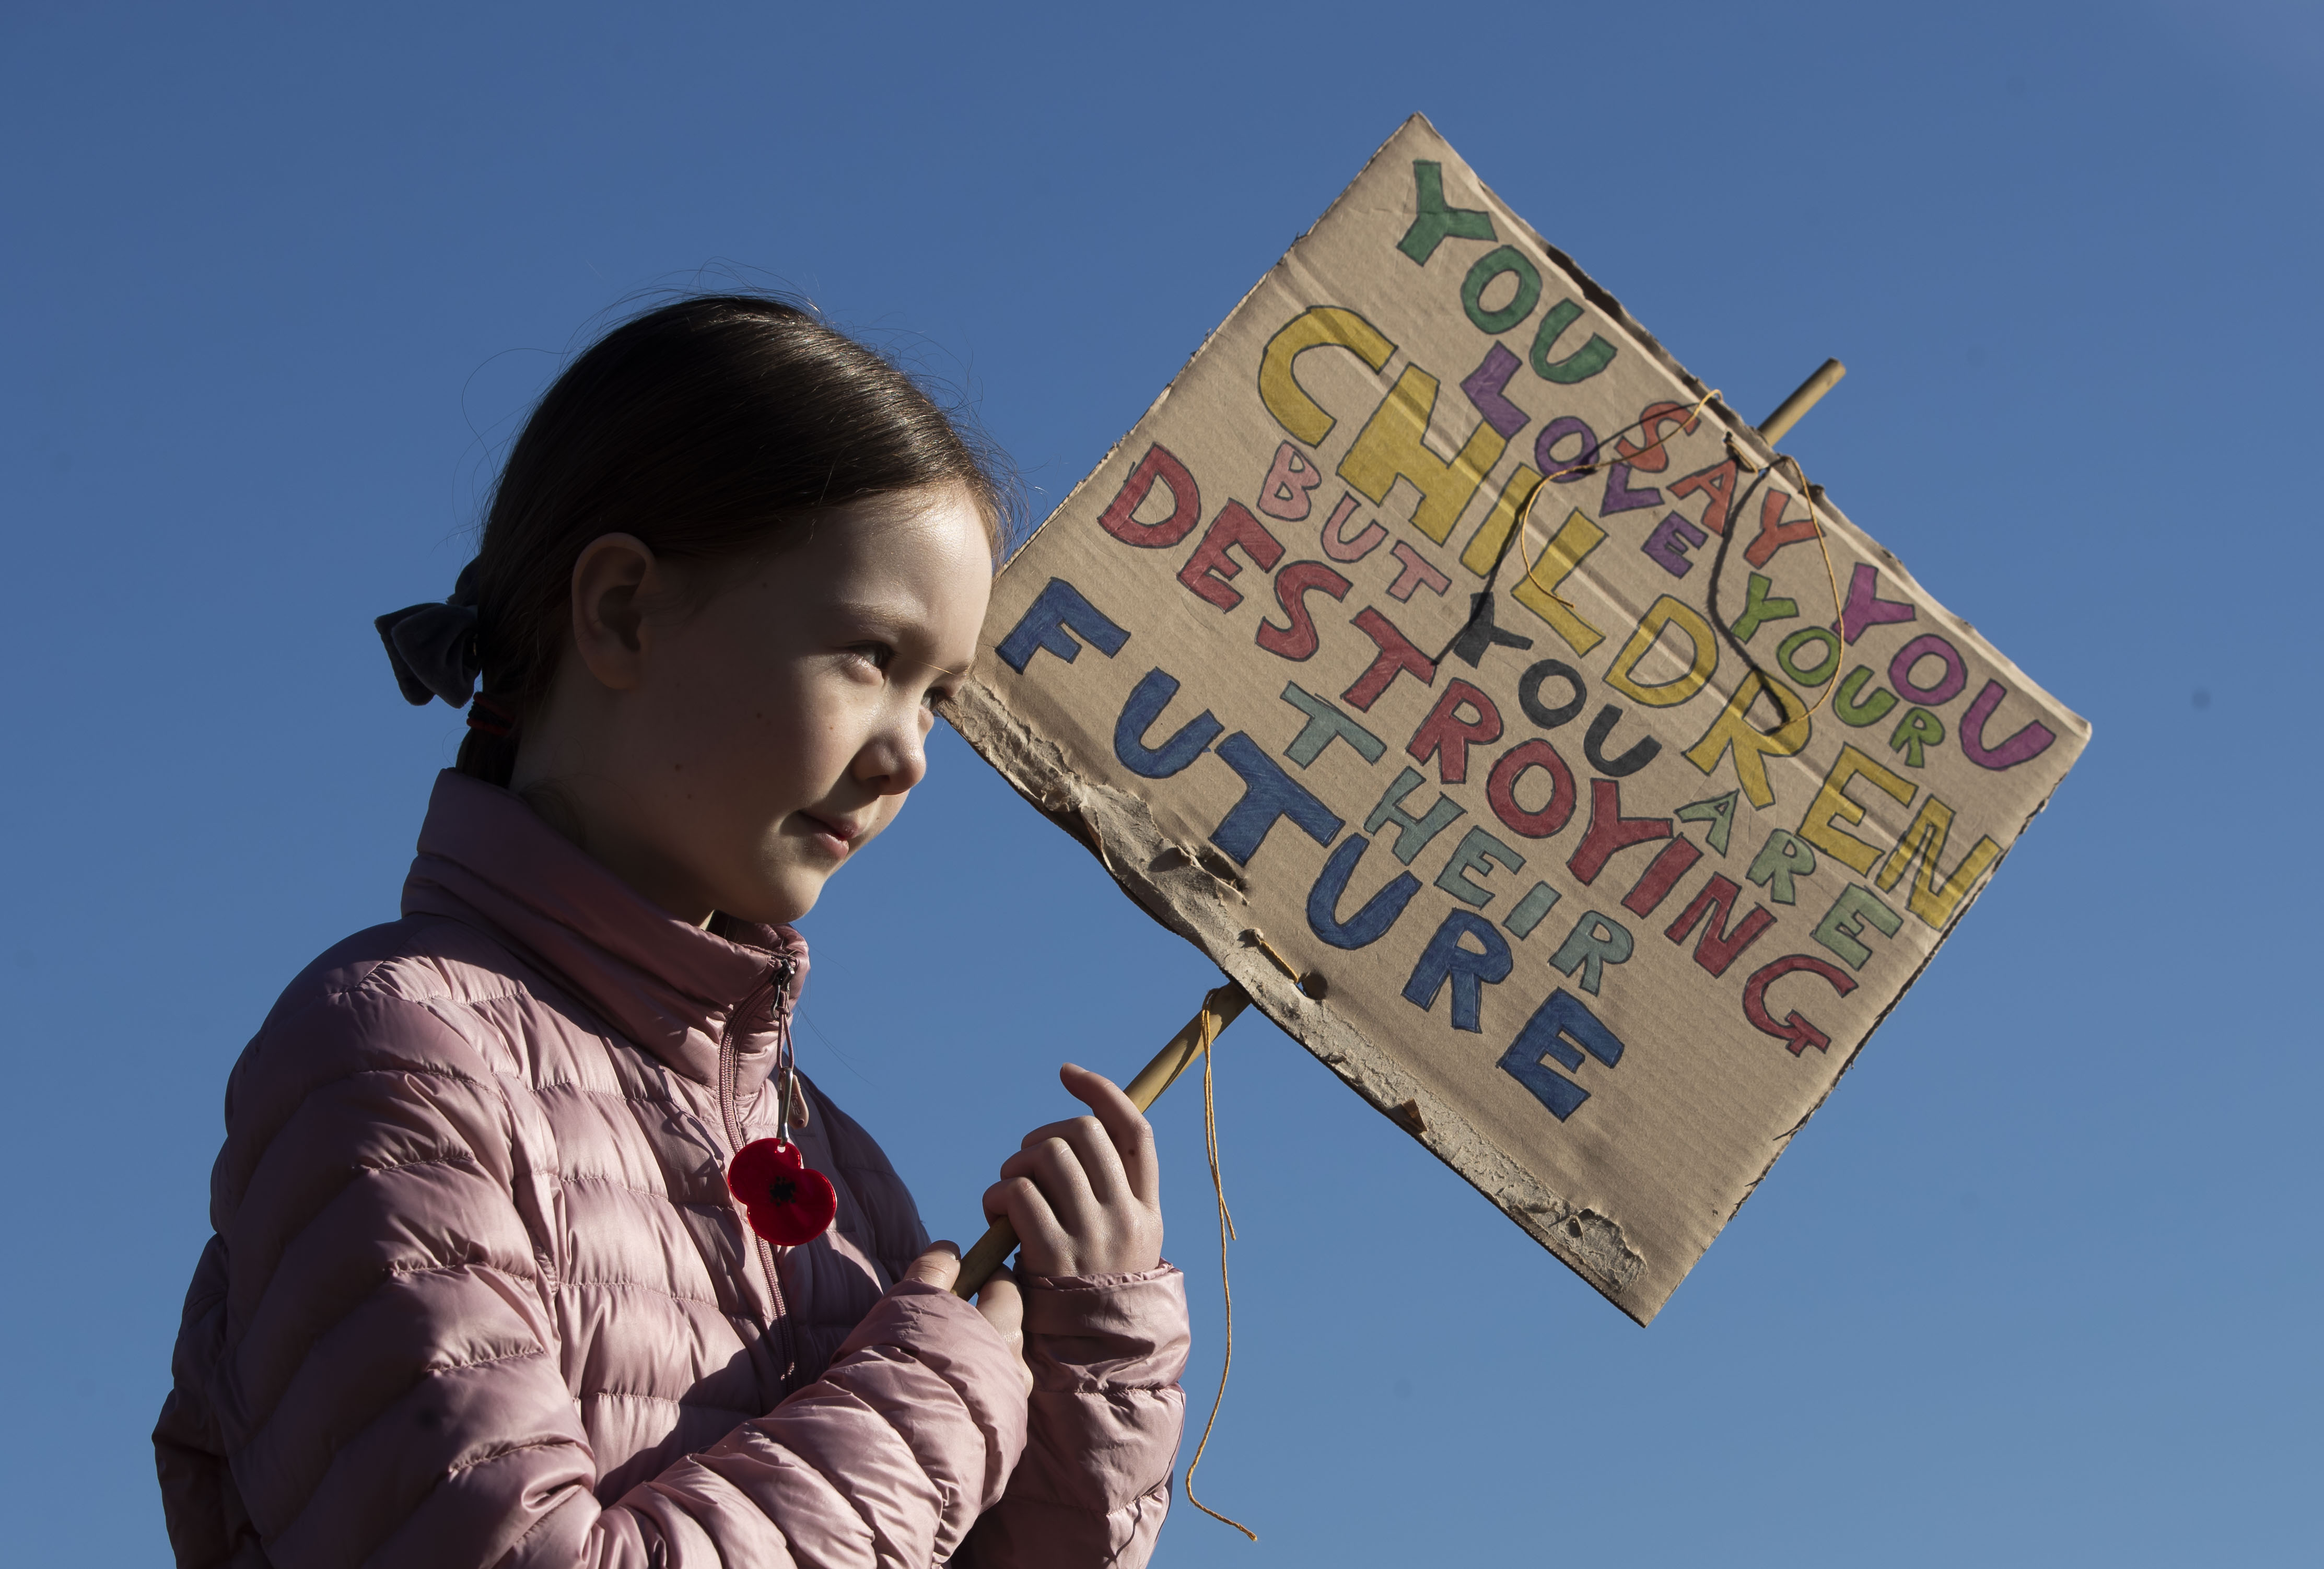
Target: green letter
column 1917, row 729
column 1759, row 608
column 1783, row 859
column 1434, row 220
column 1843, row 923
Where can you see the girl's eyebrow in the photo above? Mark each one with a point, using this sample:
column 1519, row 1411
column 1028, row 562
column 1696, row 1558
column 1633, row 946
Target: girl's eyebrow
column 885, row 612
column 902, row 612
column 888, row 623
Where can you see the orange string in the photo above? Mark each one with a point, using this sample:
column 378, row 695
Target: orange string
column 1687, row 424
column 1525, row 518
column 1226, row 1230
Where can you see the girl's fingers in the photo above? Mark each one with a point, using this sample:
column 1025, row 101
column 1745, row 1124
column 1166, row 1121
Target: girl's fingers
column 1093, row 1148
column 1018, row 1202
column 938, row 1266
column 1055, row 1168
column 1083, row 1194
column 1003, row 1308
column 1131, row 1135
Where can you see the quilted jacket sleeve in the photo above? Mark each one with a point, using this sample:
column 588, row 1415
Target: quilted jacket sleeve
column 382, row 1379
column 1105, row 1352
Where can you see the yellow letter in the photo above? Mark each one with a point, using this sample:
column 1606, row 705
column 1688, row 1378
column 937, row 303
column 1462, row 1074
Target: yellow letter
column 1932, row 900
column 1485, row 548
column 1392, row 444
column 1661, row 614
column 1538, row 589
column 1733, row 727
column 1819, row 827
column 1280, row 390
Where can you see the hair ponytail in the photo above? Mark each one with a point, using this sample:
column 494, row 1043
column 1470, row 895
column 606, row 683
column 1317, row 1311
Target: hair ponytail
column 488, row 751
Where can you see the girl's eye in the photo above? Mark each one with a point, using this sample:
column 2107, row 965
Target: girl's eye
column 881, row 657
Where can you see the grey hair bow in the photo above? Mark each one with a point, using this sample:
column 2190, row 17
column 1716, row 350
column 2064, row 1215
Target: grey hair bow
column 433, row 647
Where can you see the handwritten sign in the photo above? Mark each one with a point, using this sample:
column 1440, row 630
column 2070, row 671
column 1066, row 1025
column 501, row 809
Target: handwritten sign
column 1599, row 881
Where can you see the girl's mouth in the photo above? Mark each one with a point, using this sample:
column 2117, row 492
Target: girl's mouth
column 833, row 839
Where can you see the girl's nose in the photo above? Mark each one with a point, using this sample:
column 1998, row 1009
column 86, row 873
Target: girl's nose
column 897, row 757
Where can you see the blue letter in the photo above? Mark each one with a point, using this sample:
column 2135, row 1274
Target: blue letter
column 1561, row 1016
column 1468, row 968
column 1268, row 793
column 1060, row 606
column 1370, row 923
column 1146, row 701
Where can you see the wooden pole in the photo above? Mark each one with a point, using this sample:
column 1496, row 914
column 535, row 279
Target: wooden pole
column 1777, row 425
column 1220, row 1009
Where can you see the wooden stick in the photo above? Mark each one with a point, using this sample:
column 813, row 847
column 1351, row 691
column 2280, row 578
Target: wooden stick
column 1220, row 1009
column 1776, row 426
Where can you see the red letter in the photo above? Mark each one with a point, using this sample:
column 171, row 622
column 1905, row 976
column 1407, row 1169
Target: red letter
column 1185, row 503
column 1292, row 585
column 1611, row 831
column 1206, row 571
column 1446, row 736
column 1661, row 875
column 1794, row 1032
column 1416, row 573
column 1774, row 533
column 1654, row 456
column 1714, row 952
column 1339, row 547
column 1283, row 494
column 1718, row 483
column 1501, row 790
column 1397, row 657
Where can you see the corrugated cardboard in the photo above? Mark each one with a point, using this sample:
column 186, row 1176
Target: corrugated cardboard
column 1602, row 882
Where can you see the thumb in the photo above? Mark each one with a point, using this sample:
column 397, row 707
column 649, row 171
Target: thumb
column 938, row 1266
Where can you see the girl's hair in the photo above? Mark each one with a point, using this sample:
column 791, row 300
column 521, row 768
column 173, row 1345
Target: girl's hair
column 711, row 429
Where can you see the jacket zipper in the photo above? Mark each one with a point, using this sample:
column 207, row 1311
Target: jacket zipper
column 770, row 992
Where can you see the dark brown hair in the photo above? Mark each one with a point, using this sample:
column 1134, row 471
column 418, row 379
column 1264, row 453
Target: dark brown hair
column 711, row 429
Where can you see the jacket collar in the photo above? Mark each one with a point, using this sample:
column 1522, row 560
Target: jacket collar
column 487, row 861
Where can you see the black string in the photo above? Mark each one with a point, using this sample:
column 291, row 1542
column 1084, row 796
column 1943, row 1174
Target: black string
column 1481, row 605
column 1735, row 515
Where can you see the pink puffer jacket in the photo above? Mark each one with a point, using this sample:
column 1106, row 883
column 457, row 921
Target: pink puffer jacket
column 478, row 1295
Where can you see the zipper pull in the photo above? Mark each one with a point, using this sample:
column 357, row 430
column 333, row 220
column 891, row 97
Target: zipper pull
column 785, row 973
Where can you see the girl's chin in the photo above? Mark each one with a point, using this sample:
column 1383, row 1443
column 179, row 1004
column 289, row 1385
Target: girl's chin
column 781, row 903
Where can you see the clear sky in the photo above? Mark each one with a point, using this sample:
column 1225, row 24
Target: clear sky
column 2040, row 1284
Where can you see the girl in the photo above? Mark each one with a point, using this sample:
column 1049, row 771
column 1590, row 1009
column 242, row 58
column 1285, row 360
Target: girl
column 489, row 1285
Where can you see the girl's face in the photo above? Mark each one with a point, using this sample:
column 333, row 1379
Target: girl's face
column 731, row 753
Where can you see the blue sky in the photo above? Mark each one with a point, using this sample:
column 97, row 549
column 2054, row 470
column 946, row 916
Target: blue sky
column 2037, row 1287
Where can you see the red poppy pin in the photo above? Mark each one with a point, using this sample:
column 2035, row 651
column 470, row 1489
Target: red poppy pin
column 787, row 1201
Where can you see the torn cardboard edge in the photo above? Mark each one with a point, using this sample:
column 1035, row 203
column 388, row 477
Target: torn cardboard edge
column 1199, row 894
column 1172, row 883
column 1784, row 1141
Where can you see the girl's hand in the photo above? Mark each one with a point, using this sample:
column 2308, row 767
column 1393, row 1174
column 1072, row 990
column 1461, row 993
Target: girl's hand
column 1084, row 1194
column 999, row 1301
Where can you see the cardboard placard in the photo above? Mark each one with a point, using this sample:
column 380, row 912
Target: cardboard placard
column 1605, row 877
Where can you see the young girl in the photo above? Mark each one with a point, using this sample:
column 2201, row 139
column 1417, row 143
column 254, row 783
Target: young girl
column 489, row 1285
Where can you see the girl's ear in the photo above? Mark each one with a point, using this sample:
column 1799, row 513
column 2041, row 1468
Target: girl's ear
column 611, row 584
